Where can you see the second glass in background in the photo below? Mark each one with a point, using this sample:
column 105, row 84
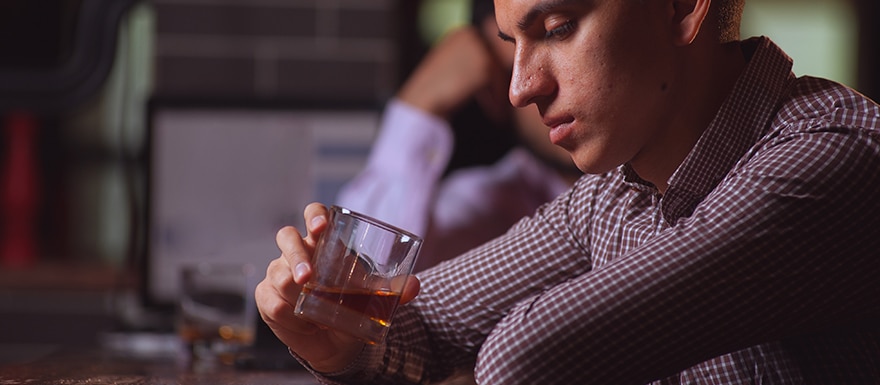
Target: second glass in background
column 217, row 314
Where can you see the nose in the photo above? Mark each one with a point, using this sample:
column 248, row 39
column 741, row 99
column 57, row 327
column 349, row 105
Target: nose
column 531, row 79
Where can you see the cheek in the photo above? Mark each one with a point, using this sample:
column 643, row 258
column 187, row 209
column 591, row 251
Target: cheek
column 592, row 89
column 612, row 125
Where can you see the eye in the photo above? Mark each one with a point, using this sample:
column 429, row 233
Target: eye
column 561, row 31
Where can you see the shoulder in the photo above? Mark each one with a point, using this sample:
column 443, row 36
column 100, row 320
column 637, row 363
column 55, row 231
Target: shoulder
column 815, row 103
column 818, row 118
column 824, row 137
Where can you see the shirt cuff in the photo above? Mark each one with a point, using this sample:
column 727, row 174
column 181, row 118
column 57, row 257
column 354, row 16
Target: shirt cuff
column 363, row 368
column 411, row 138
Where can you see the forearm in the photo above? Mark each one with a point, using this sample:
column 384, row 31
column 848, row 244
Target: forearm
column 444, row 327
column 761, row 259
column 463, row 299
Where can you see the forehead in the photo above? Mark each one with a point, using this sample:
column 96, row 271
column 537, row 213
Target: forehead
column 520, row 14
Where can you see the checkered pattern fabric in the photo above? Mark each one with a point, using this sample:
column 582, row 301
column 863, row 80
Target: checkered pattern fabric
column 758, row 265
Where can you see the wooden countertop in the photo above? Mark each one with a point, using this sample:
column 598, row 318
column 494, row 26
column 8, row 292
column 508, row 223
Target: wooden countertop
column 101, row 367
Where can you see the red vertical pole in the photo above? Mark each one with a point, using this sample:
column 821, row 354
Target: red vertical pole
column 20, row 193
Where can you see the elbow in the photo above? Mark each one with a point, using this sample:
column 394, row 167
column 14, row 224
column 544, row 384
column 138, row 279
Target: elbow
column 516, row 351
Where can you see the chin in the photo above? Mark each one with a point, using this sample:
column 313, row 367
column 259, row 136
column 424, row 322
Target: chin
column 597, row 157
column 594, row 166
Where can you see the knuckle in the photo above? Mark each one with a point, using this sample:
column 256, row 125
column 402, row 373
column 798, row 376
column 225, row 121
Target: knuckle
column 271, row 306
column 280, row 278
column 276, row 309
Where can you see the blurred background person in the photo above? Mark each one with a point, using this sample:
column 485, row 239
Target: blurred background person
column 412, row 180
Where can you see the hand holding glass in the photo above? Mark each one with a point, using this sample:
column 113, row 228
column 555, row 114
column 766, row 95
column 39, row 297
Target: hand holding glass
column 360, row 269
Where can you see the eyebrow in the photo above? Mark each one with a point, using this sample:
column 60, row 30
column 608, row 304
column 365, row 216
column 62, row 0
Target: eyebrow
column 530, row 17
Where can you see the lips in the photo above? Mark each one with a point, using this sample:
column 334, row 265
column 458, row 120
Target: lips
column 560, row 127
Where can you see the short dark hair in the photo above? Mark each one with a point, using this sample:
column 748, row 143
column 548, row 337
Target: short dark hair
column 728, row 16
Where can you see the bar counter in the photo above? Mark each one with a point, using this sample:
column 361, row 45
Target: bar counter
column 104, row 367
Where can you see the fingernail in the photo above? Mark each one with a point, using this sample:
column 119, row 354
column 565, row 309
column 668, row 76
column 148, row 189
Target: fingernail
column 300, row 271
column 317, row 221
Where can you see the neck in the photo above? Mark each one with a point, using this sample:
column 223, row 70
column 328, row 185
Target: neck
column 705, row 82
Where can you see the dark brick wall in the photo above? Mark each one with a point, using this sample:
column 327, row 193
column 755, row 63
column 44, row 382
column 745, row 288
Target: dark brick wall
column 316, row 50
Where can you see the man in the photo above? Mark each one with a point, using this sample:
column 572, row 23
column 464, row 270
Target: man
column 403, row 182
column 727, row 233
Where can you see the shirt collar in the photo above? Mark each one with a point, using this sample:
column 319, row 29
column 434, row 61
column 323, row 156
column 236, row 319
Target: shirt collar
column 739, row 123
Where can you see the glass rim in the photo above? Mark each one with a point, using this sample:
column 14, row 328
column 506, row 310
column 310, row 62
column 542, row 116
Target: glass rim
column 376, row 222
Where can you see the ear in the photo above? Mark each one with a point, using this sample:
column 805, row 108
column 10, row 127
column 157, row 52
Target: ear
column 688, row 17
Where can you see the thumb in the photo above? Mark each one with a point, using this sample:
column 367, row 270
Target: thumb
column 410, row 289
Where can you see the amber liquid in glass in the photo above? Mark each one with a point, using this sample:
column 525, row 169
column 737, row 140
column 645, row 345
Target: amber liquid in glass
column 365, row 314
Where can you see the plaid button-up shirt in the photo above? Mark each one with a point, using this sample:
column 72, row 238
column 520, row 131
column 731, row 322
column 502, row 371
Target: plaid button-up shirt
column 758, row 265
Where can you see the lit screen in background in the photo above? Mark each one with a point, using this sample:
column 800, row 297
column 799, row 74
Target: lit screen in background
column 222, row 182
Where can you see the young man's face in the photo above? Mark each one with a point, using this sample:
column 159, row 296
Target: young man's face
column 601, row 72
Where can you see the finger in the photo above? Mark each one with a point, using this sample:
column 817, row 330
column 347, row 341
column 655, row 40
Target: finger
column 280, row 276
column 278, row 313
column 294, row 253
column 410, row 289
column 276, row 298
column 315, row 215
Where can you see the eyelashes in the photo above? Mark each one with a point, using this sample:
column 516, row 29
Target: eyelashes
column 561, row 31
